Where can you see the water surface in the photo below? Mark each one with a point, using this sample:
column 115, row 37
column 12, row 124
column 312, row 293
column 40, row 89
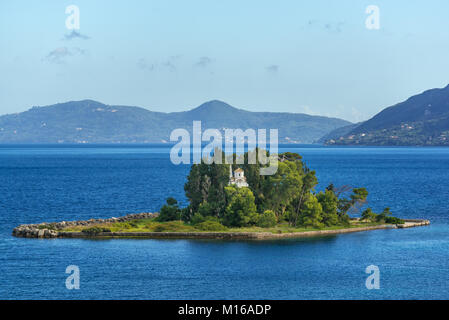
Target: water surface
column 48, row 183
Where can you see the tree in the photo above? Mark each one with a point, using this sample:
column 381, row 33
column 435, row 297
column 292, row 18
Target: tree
column 311, row 215
column 170, row 211
column 241, row 209
column 383, row 217
column 217, row 195
column 288, row 194
column 205, row 184
column 329, row 203
column 266, row 219
column 368, row 215
column 359, row 196
column 289, row 156
column 205, row 209
column 253, row 177
column 340, row 190
column 171, row 201
column 193, row 189
column 353, row 204
column 309, row 181
column 281, row 188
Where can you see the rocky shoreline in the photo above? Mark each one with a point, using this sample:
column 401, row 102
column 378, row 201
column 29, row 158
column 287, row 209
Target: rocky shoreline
column 54, row 230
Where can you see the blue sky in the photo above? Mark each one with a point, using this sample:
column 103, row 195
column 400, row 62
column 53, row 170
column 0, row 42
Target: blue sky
column 295, row 56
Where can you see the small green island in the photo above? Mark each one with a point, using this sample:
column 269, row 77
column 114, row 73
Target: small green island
column 234, row 201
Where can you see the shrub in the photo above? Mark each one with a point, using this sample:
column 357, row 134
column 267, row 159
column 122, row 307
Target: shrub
column 206, row 209
column 197, row 218
column 211, row 226
column 95, row 230
column 382, row 217
column 288, row 216
column 170, row 211
column 368, row 215
column 394, row 220
column 171, row 201
column 186, row 214
column 345, row 220
column 266, row 219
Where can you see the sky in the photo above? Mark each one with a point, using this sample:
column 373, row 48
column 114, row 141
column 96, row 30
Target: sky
column 317, row 57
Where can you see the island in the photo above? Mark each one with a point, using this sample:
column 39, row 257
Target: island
column 234, row 201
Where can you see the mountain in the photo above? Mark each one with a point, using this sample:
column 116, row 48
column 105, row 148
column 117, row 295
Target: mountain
column 339, row 132
column 89, row 121
column 421, row 120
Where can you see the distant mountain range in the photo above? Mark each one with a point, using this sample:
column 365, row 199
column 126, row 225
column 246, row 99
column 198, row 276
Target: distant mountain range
column 422, row 120
column 337, row 133
column 89, row 121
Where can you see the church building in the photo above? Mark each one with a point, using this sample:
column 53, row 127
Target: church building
column 238, row 178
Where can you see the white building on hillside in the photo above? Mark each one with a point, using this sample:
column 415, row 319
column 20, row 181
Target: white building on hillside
column 238, row 178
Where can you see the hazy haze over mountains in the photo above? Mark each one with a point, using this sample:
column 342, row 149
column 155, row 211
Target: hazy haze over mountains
column 89, row 121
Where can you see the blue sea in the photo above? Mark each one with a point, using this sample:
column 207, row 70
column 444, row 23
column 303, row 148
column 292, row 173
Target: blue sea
column 54, row 183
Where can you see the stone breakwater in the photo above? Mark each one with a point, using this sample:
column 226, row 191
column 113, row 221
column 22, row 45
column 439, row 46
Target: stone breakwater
column 410, row 223
column 54, row 230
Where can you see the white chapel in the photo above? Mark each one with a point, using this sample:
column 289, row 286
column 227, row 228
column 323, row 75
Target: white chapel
column 238, row 178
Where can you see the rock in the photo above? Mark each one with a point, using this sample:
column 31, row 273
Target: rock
column 37, row 230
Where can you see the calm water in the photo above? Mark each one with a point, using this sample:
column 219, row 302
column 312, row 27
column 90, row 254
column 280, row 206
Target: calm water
column 52, row 183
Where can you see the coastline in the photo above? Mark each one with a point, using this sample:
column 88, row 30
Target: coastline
column 55, row 230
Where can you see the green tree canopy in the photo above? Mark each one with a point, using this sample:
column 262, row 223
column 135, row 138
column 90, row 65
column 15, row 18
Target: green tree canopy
column 329, row 203
column 368, row 215
column 170, row 211
column 356, row 200
column 241, row 210
column 205, row 184
column 312, row 214
column 309, row 181
column 288, row 195
column 267, row 219
column 281, row 188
